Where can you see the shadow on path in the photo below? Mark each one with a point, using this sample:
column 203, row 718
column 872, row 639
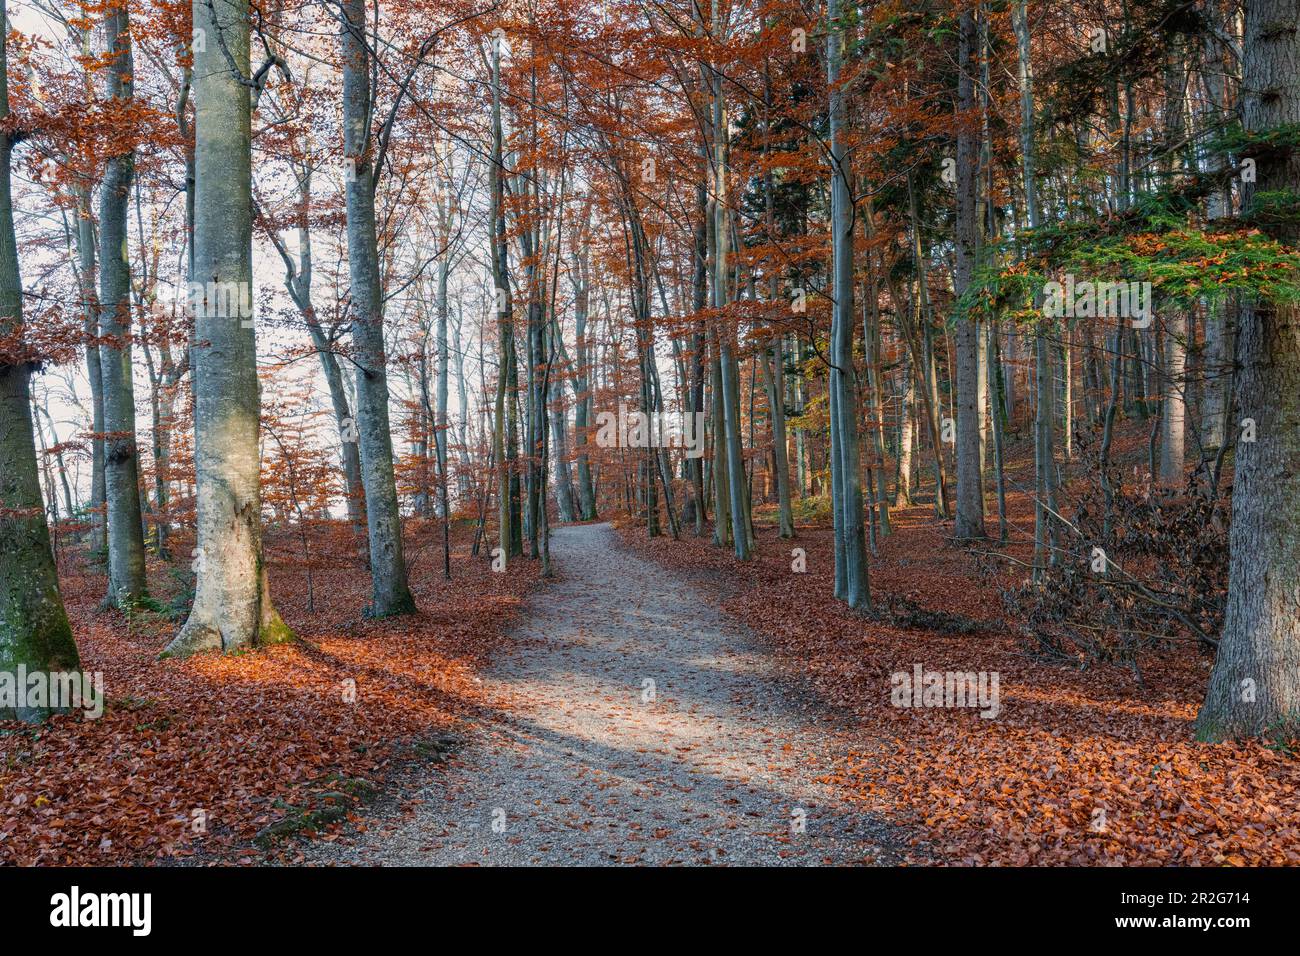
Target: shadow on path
column 639, row 725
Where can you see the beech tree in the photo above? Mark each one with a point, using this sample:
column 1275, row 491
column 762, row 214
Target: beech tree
column 390, row 593
column 34, row 629
column 126, row 572
column 232, row 599
column 846, row 478
column 828, row 232
column 970, row 461
column 1255, row 686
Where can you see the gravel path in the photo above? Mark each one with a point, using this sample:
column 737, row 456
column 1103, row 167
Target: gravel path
column 639, row 725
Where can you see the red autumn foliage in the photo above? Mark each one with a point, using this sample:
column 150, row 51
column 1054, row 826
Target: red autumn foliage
column 241, row 737
column 1031, row 786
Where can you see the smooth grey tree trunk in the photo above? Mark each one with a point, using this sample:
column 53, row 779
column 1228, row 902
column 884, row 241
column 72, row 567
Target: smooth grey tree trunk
column 877, row 484
column 1045, row 396
column 504, row 438
column 87, row 281
column 1173, row 323
column 906, row 434
column 444, row 372
column 1254, row 688
column 728, row 372
column 846, row 480
column 34, row 629
column 922, row 347
column 126, row 569
column 582, row 392
column 1173, row 407
column 463, row 486
column 232, row 601
column 772, row 366
column 773, row 369
column 389, row 592
column 566, row 498
column 722, row 530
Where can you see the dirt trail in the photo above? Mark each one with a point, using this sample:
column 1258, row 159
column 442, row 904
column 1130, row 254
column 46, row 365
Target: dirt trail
column 639, row 725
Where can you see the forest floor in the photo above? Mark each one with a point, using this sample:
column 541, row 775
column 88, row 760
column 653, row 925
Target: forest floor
column 1082, row 765
column 656, row 701
column 193, row 760
column 637, row 724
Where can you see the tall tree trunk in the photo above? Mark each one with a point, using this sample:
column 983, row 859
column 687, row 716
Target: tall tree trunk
column 773, row 381
column 774, row 370
column 232, row 600
column 464, row 487
column 1174, row 325
column 699, row 339
column 919, row 341
column 444, row 372
column 1216, row 365
column 729, row 373
column 906, row 435
column 871, row 334
column 503, row 433
column 1173, row 408
column 970, row 480
column 1045, row 400
column 388, row 586
column 94, row 369
column 566, row 500
column 126, row 571
column 1254, row 688
column 582, row 391
column 722, row 530
column 34, row 630
column 846, row 480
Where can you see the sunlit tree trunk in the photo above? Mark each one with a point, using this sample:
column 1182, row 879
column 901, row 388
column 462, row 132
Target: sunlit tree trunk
column 906, row 435
column 1173, row 322
column 1173, row 409
column 728, row 401
column 846, row 481
column 232, row 602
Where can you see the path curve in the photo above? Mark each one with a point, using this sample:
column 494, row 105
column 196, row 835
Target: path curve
column 639, row 725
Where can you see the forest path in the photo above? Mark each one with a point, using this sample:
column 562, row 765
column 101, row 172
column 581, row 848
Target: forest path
column 586, row 766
